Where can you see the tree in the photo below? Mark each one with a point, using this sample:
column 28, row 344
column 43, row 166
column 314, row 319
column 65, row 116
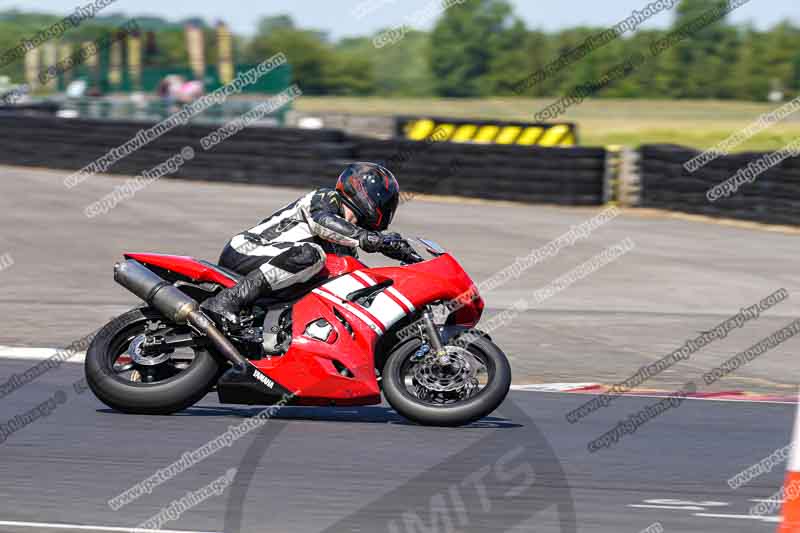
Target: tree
column 796, row 84
column 780, row 51
column 348, row 73
column 401, row 69
column 749, row 80
column 466, row 43
column 700, row 55
column 507, row 60
column 538, row 51
column 171, row 49
column 268, row 25
column 305, row 52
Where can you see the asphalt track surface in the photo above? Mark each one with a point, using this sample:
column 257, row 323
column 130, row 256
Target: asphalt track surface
column 523, row 469
column 321, row 469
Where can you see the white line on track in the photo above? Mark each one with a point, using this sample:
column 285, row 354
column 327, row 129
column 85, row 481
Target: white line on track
column 39, row 354
column 675, row 507
column 527, row 388
column 78, row 527
column 740, row 517
column 36, row 354
column 553, row 387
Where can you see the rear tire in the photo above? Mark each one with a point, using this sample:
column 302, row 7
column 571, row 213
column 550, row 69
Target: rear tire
column 459, row 414
column 159, row 398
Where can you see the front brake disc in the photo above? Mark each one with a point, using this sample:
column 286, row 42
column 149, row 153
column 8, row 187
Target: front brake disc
column 457, row 373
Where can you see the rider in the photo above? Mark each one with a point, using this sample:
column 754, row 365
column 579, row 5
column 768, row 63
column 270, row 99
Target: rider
column 289, row 247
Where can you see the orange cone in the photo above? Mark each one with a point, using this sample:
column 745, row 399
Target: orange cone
column 791, row 487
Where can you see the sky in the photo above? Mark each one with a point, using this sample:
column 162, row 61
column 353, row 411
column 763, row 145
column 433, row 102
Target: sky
column 339, row 17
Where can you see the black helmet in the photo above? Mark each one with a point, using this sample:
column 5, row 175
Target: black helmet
column 372, row 192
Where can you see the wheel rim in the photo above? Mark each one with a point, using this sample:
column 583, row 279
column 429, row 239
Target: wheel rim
column 130, row 364
column 462, row 375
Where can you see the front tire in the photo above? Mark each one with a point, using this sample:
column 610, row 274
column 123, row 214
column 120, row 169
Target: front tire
column 460, row 412
column 185, row 388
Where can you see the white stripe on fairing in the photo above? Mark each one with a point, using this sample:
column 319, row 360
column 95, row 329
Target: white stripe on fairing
column 343, row 286
column 400, row 296
column 397, row 294
column 794, row 460
column 369, row 281
column 364, row 318
column 386, row 310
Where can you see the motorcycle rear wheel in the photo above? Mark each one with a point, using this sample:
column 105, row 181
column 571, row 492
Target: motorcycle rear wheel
column 460, row 412
column 174, row 393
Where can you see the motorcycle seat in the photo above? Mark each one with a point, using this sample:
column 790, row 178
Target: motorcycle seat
column 222, row 270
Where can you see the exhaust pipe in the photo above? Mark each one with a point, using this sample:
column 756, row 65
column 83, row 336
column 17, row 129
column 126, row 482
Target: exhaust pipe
column 174, row 305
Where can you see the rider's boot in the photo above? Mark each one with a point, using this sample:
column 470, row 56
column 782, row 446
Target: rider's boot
column 225, row 306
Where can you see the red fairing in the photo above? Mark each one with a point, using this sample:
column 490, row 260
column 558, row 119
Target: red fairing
column 336, row 265
column 186, row 266
column 308, row 366
column 438, row 279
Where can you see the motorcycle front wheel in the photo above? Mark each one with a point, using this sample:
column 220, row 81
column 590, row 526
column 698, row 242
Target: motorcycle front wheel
column 467, row 384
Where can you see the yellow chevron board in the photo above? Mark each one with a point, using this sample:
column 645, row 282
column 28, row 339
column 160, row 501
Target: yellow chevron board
column 430, row 129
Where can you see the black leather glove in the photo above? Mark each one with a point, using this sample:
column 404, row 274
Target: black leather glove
column 392, row 245
column 398, row 248
column 370, row 241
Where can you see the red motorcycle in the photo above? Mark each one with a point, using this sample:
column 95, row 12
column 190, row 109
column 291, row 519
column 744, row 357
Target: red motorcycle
column 338, row 340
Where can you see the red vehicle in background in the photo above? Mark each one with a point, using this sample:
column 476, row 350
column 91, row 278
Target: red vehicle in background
column 343, row 339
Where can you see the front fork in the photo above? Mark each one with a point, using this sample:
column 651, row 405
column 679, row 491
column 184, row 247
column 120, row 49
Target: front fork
column 430, row 332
